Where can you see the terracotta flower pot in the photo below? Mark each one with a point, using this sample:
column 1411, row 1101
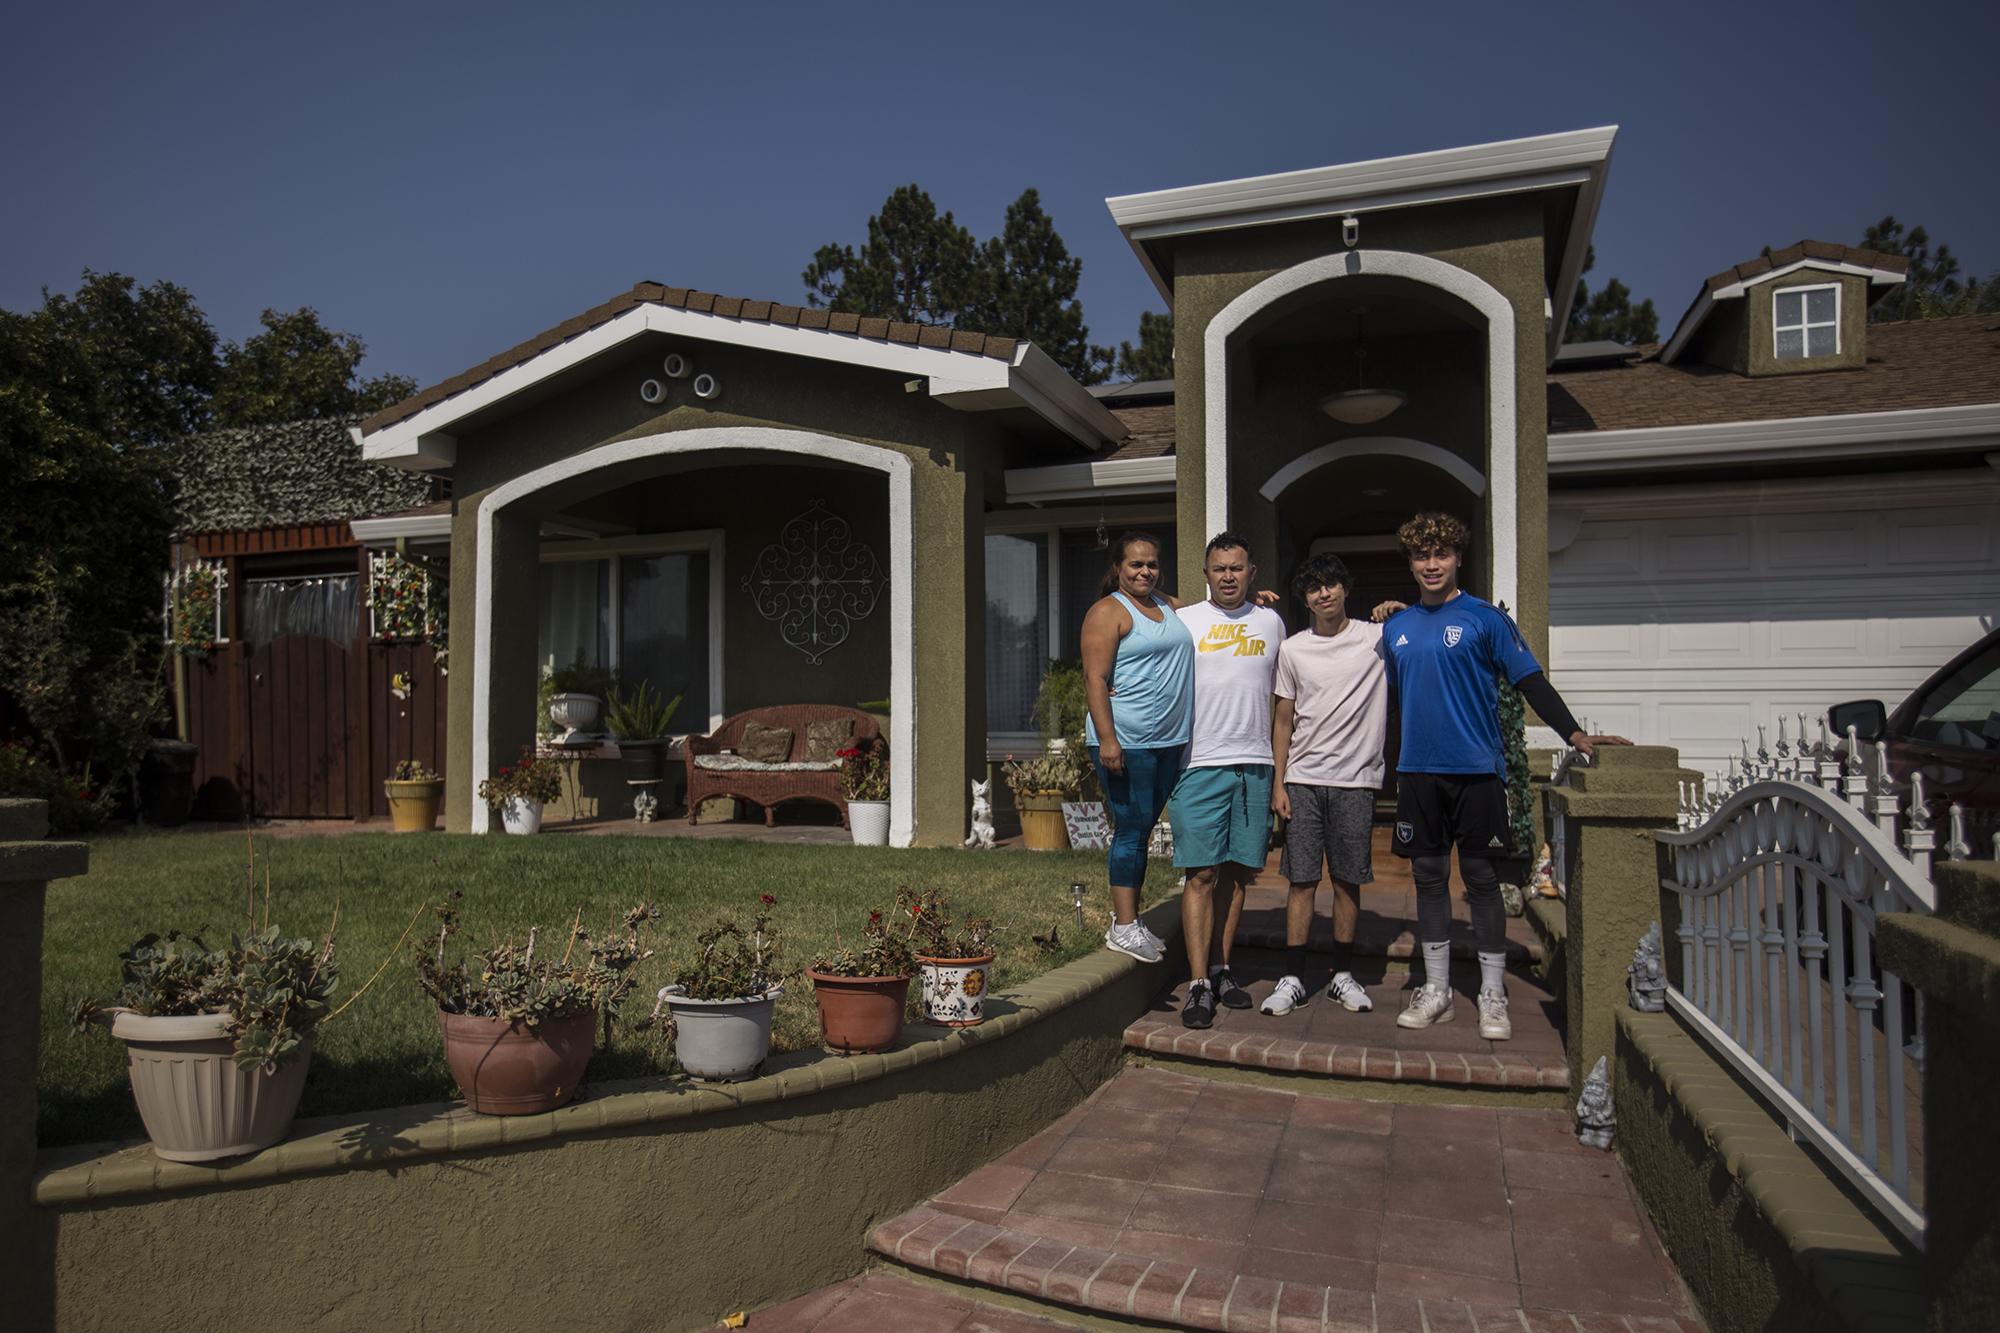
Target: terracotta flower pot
column 1042, row 825
column 858, row 1014
column 413, row 806
column 505, row 1067
column 196, row 1103
column 955, row 989
column 721, row 1041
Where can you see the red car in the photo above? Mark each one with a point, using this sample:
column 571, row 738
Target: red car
column 1948, row 730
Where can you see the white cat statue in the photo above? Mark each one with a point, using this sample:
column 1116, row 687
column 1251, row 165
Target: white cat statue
column 982, row 816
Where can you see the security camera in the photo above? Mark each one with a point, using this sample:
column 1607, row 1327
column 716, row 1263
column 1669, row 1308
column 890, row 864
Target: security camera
column 1350, row 231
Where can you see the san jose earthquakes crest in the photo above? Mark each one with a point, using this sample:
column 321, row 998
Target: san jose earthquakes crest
column 1452, row 634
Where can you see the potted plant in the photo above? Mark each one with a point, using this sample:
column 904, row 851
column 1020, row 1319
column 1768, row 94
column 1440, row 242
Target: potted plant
column 639, row 722
column 414, row 794
column 520, row 790
column 864, row 780
column 955, row 958
column 863, row 990
column 166, row 782
column 518, row 1028
column 571, row 697
column 1041, row 785
column 721, row 1003
column 218, row 1040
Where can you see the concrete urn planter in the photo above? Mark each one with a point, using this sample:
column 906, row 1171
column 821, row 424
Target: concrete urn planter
column 868, row 823
column 955, row 989
column 197, row 1105
column 721, row 1041
column 507, row 1067
column 574, row 712
column 413, row 806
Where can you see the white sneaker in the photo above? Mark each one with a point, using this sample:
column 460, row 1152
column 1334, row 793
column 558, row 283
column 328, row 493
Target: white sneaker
column 1286, row 996
column 1132, row 938
column 1159, row 945
column 1350, row 994
column 1494, row 1025
column 1428, row 1004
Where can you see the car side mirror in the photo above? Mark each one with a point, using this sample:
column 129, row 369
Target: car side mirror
column 1867, row 716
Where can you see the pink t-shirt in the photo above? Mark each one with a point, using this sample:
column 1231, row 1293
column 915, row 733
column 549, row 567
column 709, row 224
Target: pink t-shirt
column 1340, row 700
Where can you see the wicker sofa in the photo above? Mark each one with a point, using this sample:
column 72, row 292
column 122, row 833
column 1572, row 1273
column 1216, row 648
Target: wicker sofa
column 764, row 785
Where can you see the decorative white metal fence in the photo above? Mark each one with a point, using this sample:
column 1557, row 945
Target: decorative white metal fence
column 1779, row 869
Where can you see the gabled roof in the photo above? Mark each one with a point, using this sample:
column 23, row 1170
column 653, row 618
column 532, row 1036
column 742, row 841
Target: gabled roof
column 1879, row 268
column 1573, row 165
column 971, row 371
column 1911, row 364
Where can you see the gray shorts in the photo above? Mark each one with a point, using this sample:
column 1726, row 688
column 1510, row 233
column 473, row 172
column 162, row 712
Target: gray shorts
column 1330, row 827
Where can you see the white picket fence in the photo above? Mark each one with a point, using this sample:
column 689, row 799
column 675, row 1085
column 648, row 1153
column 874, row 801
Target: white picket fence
column 1780, row 868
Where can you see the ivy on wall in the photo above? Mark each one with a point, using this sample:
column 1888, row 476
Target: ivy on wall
column 295, row 472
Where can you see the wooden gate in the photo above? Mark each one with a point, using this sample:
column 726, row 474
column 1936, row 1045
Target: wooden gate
column 299, row 729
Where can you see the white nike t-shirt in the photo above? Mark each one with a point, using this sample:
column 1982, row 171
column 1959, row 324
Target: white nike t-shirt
column 1235, row 658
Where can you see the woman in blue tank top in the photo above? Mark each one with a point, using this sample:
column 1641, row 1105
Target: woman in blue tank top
column 1138, row 672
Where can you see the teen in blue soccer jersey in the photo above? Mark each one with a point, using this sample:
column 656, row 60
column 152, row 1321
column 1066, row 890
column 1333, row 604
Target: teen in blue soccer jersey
column 1445, row 654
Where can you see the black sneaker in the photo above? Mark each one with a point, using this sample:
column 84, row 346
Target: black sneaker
column 1199, row 1011
column 1228, row 992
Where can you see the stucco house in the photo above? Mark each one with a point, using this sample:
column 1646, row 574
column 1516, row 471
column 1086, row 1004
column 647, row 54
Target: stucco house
column 760, row 504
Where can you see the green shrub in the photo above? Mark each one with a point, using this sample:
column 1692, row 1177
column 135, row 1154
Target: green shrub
column 74, row 805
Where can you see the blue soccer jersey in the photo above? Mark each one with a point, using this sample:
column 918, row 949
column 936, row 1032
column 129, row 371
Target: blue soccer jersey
column 1442, row 663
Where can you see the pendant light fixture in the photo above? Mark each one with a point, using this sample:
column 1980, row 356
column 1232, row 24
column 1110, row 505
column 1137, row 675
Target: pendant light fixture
column 1361, row 405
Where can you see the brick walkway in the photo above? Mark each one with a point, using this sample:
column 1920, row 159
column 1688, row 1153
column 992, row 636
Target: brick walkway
column 1324, row 1038
column 1215, row 1205
column 884, row 1303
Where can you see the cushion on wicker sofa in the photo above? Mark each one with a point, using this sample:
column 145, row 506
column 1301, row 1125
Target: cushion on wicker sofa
column 827, row 738
column 767, row 745
column 739, row 763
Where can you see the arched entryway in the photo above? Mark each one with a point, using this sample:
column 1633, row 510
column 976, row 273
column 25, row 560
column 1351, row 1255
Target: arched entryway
column 506, row 533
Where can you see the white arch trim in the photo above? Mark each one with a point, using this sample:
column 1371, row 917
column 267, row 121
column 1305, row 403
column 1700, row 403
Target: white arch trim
column 1396, row 446
column 1501, row 462
column 666, row 444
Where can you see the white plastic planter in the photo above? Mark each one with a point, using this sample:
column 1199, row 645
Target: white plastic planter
column 574, row 712
column 721, row 1041
column 520, row 815
column 868, row 821
column 197, row 1105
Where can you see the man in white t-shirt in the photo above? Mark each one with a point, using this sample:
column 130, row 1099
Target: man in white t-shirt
column 1329, row 724
column 1221, row 805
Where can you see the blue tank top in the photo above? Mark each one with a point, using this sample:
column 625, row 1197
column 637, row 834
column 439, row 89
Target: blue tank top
column 1152, row 682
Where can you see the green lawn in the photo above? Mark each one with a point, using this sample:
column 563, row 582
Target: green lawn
column 385, row 1050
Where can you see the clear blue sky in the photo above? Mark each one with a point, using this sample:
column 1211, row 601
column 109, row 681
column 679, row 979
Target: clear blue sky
column 445, row 181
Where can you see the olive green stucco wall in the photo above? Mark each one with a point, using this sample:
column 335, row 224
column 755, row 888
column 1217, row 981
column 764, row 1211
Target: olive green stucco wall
column 950, row 459
column 1500, row 241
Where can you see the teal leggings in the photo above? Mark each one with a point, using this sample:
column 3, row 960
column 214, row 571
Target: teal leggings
column 1136, row 798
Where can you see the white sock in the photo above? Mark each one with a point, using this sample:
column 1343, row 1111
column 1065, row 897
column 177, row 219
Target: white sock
column 1437, row 965
column 1493, row 973
column 1217, row 969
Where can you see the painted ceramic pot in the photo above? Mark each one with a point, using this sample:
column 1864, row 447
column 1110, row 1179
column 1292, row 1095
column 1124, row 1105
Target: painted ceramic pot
column 721, row 1041
column 868, row 821
column 521, row 815
column 507, row 1067
column 955, row 989
column 859, row 1014
column 197, row 1105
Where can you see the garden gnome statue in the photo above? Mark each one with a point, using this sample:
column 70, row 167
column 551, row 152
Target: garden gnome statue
column 1542, row 882
column 1512, row 900
column 1594, row 1120
column 1646, row 978
column 982, row 815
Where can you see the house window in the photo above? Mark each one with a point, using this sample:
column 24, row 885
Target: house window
column 1806, row 321
column 646, row 609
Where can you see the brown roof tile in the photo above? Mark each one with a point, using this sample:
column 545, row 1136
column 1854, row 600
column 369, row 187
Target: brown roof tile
column 732, row 307
column 1152, row 432
column 1911, row 364
column 1792, row 254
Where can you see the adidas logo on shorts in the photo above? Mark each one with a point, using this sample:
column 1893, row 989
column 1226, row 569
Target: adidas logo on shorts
column 1496, row 843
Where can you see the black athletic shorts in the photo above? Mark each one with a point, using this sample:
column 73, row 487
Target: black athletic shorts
column 1436, row 810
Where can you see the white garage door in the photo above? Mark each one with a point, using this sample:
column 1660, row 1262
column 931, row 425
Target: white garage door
column 1687, row 615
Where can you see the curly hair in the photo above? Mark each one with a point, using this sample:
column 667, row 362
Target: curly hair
column 1434, row 531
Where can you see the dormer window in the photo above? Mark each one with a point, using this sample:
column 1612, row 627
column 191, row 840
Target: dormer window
column 1806, row 321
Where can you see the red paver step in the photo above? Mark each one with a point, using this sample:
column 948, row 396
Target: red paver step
column 1321, row 1037
column 1208, row 1205
column 885, row 1303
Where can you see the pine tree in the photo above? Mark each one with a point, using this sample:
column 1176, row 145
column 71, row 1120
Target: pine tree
column 1609, row 313
column 1931, row 288
column 1024, row 286
column 1153, row 358
column 915, row 266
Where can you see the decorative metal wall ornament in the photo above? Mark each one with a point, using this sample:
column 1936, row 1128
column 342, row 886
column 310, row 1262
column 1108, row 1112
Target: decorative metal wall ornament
column 815, row 581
